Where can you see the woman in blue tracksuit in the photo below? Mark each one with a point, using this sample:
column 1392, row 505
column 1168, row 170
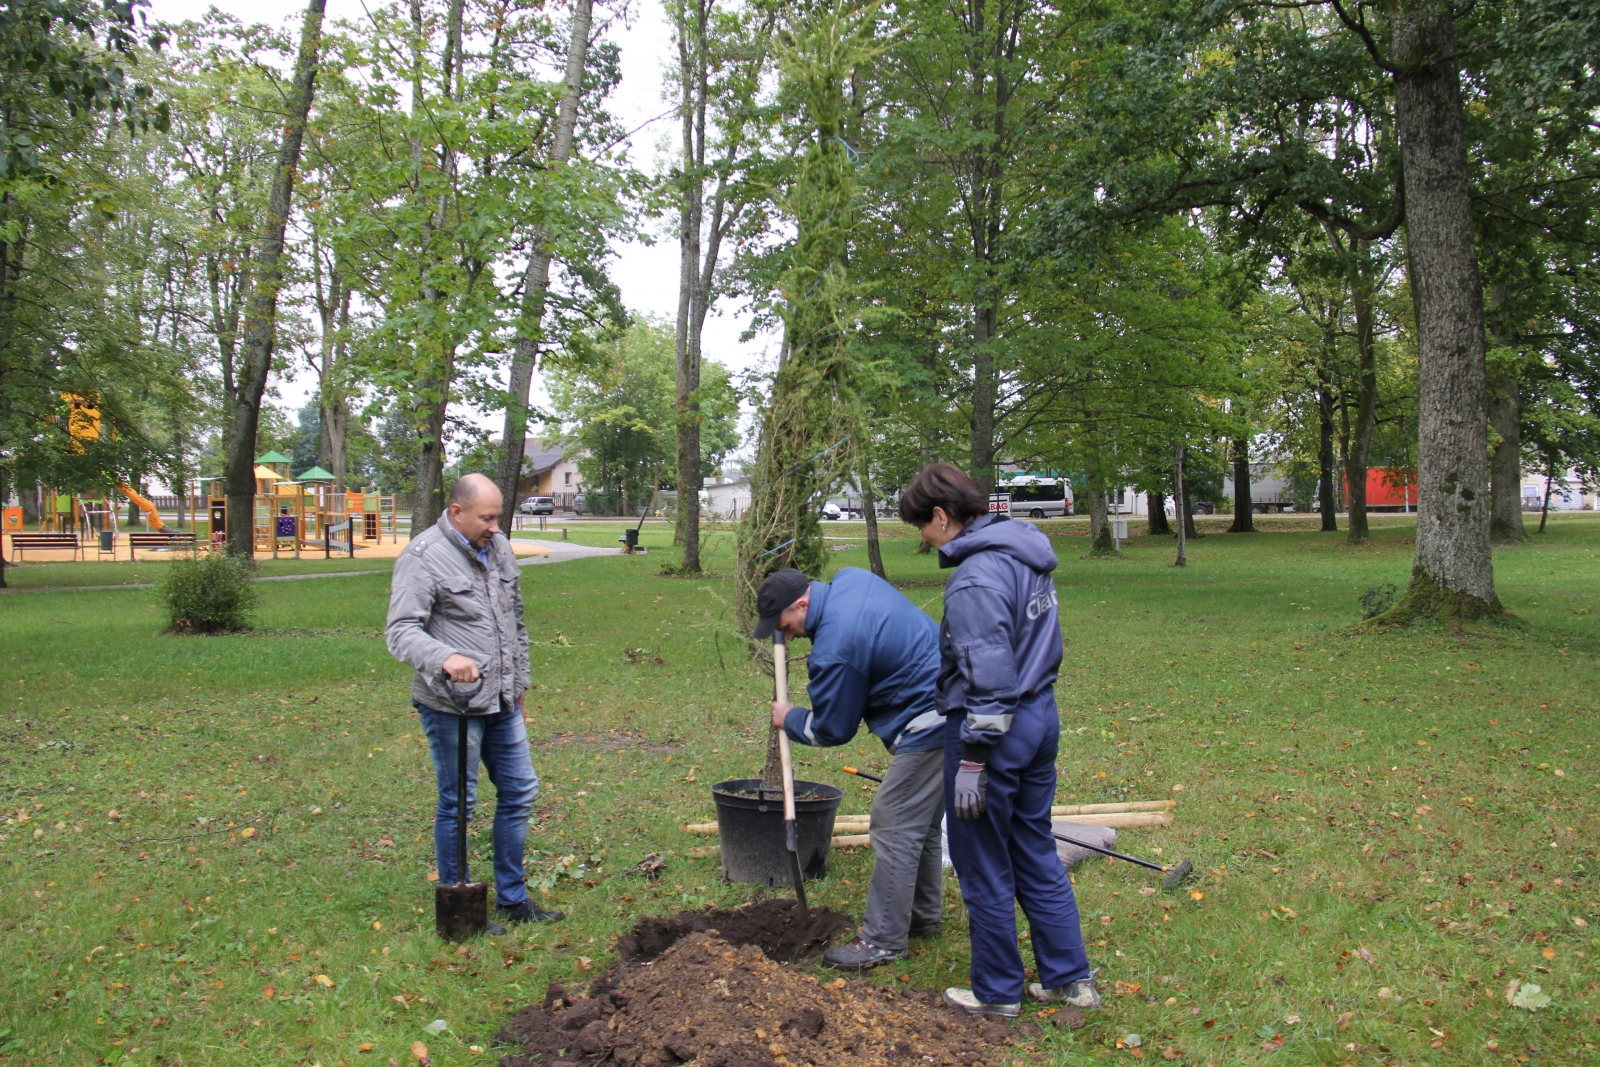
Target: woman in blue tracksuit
column 1000, row 648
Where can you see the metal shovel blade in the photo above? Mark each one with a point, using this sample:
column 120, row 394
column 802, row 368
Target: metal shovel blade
column 461, row 911
column 793, row 843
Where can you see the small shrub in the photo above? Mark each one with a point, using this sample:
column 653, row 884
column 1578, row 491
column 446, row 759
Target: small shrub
column 208, row 593
column 1377, row 600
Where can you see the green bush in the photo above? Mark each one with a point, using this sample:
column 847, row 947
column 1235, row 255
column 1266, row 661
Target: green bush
column 208, row 593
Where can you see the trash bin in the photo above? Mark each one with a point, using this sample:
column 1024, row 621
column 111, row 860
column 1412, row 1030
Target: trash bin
column 631, row 538
column 108, row 541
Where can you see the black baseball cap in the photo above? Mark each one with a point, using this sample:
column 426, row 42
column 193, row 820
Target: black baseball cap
column 781, row 589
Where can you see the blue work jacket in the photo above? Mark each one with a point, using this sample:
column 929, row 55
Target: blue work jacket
column 1000, row 642
column 874, row 659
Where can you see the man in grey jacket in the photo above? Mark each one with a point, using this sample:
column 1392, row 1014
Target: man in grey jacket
column 455, row 614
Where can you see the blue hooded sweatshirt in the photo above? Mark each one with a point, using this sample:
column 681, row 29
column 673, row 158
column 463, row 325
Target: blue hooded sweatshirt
column 874, row 657
column 1000, row 643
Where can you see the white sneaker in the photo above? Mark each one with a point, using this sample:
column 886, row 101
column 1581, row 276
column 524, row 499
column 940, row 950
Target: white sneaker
column 1080, row 994
column 964, row 999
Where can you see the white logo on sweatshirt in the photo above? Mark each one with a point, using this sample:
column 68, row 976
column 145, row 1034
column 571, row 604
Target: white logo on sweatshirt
column 1043, row 600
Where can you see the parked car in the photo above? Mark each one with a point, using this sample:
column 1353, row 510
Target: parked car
column 579, row 507
column 538, row 505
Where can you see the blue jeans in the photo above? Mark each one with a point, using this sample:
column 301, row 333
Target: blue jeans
column 501, row 742
column 1008, row 857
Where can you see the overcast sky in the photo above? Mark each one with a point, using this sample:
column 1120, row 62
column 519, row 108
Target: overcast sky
column 647, row 274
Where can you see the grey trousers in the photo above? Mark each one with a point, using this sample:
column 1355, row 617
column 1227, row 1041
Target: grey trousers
column 908, row 875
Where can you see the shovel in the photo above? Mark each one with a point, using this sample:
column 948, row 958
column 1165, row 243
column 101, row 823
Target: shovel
column 780, row 673
column 461, row 911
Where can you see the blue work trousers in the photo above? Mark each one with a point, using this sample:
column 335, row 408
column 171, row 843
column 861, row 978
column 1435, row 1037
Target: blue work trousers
column 1009, row 857
column 501, row 742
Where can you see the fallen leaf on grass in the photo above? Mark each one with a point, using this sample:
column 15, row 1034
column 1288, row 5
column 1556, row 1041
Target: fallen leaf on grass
column 584, row 963
column 269, row 992
column 1124, row 989
column 438, row 1026
column 323, row 980
column 1291, row 1019
column 1579, row 923
column 1365, row 953
column 365, row 1046
column 1528, row 997
column 1195, row 894
column 248, row 832
column 419, row 1052
column 1130, row 1041
column 1344, row 1020
column 1548, row 953
column 1170, row 1053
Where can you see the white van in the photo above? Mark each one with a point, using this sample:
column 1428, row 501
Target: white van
column 1038, row 498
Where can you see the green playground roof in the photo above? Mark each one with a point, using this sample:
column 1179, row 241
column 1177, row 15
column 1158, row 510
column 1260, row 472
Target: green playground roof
column 315, row 474
column 273, row 457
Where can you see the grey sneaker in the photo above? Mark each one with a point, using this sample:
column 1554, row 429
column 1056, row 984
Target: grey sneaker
column 1080, row 994
column 967, row 1002
column 859, row 955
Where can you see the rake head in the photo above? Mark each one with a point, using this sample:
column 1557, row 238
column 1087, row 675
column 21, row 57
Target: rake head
column 1179, row 875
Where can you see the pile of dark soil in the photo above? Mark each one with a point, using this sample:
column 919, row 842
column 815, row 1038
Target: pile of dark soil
column 707, row 1002
column 771, row 925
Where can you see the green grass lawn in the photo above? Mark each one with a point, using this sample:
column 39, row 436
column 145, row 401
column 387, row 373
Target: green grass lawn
column 217, row 848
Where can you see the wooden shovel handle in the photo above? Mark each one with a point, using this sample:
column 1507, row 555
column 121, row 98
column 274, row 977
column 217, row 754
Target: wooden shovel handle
column 780, row 677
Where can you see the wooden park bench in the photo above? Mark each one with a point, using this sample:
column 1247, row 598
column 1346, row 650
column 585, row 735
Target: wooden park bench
column 158, row 542
column 56, row 541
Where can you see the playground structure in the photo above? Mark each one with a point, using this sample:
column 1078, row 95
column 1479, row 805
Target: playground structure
column 290, row 516
column 308, row 514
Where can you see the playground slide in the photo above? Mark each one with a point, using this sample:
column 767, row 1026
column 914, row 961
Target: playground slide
column 145, row 506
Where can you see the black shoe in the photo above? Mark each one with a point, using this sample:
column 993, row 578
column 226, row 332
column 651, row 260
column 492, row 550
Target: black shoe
column 926, row 930
column 493, row 929
column 527, row 912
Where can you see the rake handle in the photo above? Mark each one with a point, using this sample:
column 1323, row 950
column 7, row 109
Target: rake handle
column 1111, row 853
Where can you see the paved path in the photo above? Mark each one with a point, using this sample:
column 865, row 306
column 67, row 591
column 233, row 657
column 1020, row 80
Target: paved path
column 561, row 551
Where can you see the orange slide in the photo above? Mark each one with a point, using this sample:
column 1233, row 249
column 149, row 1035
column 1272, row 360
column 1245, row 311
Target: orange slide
column 145, row 506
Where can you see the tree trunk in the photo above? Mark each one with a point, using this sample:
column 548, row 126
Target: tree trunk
column 869, row 511
column 335, row 315
column 536, row 278
column 1505, row 417
column 1327, row 503
column 1367, row 402
column 1244, row 513
column 1180, row 492
column 1100, row 541
column 1156, row 514
column 430, row 458
column 985, row 389
column 692, row 297
column 1182, row 506
column 260, row 325
column 1544, row 510
column 1453, row 573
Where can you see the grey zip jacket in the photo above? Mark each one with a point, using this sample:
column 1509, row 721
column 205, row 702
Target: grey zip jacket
column 443, row 601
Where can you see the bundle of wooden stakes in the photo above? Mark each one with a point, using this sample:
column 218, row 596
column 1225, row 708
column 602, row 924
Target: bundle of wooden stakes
column 850, row 831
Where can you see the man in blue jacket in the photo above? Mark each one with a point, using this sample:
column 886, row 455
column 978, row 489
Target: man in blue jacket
column 874, row 659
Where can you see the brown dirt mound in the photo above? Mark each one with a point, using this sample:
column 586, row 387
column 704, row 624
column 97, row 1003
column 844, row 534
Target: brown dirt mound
column 771, row 925
column 707, row 1003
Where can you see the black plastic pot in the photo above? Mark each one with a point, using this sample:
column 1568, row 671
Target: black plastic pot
column 750, row 829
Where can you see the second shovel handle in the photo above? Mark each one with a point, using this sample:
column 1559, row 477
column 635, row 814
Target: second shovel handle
column 780, row 677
